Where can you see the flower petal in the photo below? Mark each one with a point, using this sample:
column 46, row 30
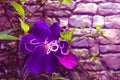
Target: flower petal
column 35, row 63
column 31, row 44
column 69, row 61
column 64, row 47
column 41, row 29
column 51, row 63
column 55, row 30
column 58, row 53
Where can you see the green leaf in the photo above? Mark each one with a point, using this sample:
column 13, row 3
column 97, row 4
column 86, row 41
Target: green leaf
column 98, row 28
column 7, row 37
column 68, row 35
column 66, row 1
column 19, row 9
column 25, row 27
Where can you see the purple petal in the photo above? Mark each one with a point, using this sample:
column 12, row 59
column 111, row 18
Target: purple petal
column 55, row 30
column 35, row 63
column 31, row 44
column 58, row 53
column 64, row 47
column 69, row 61
column 41, row 29
column 51, row 63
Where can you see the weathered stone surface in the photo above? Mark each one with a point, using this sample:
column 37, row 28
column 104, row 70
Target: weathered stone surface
column 109, row 8
column 80, row 20
column 94, row 46
column 114, row 0
column 86, row 8
column 86, row 0
column 111, row 61
column 112, row 35
column 68, row 6
column 63, row 22
column 77, row 0
column 82, row 43
column 32, row 8
column 112, row 21
column 94, row 49
column 81, row 32
column 92, row 42
column 81, row 52
column 99, row 1
column 98, row 20
column 59, row 13
column 109, row 48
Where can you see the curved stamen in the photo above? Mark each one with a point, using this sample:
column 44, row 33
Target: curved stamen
column 61, row 47
column 32, row 42
column 30, row 50
column 51, row 45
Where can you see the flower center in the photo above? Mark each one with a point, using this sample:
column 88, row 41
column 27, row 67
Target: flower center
column 52, row 46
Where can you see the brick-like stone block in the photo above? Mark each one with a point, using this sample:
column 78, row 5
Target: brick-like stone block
column 112, row 36
column 94, row 46
column 68, row 6
column 80, row 20
column 112, row 21
column 99, row 1
column 32, row 8
column 81, row 32
column 82, row 52
column 96, row 1
column 114, row 0
column 86, row 8
column 109, row 48
column 59, row 13
column 86, row 0
column 111, row 61
column 82, row 43
column 63, row 22
column 98, row 20
column 108, row 8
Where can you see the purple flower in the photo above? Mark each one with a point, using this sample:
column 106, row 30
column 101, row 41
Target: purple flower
column 45, row 50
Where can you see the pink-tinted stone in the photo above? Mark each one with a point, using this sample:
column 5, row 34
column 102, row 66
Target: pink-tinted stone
column 82, row 43
column 92, row 42
column 98, row 20
column 80, row 32
column 113, row 36
column 80, row 20
column 94, row 49
column 98, row 1
column 86, row 8
column 78, row 0
column 109, row 48
column 32, row 8
column 63, row 22
column 94, row 46
column 68, row 6
column 59, row 13
column 109, row 8
column 114, row 0
column 81, row 52
column 112, row 21
column 111, row 61
column 86, row 0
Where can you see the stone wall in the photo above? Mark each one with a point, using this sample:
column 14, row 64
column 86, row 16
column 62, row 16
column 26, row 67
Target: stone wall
column 90, row 13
